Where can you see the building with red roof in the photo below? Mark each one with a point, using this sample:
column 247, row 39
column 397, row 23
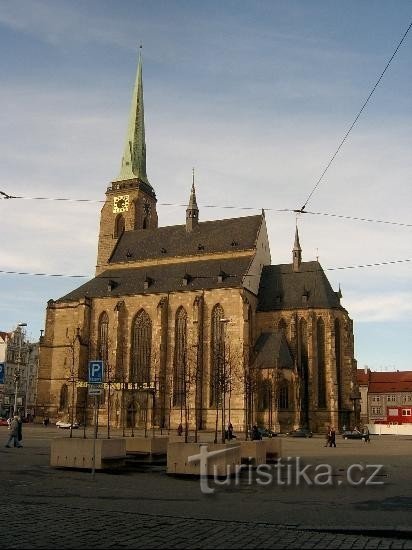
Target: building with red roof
column 386, row 397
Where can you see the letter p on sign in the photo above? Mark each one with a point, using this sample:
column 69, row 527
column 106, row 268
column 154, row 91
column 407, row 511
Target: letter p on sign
column 95, row 372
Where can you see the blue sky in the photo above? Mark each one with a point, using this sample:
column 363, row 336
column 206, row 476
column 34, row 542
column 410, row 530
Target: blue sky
column 256, row 95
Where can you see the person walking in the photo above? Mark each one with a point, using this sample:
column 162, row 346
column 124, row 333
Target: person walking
column 332, row 437
column 327, row 436
column 19, row 431
column 366, row 437
column 14, row 433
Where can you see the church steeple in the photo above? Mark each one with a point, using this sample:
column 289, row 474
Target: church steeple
column 297, row 252
column 192, row 211
column 134, row 156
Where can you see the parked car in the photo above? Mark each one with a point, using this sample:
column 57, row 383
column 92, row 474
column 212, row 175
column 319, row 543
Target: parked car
column 353, row 434
column 300, row 432
column 266, row 432
column 4, row 422
column 66, row 425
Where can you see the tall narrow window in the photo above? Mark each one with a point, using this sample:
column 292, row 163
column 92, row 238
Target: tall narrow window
column 118, row 225
column 284, row 396
column 141, row 348
column 265, row 395
column 304, row 370
column 216, row 367
column 179, row 370
column 320, row 337
column 282, row 327
column 102, row 344
column 64, row 397
column 338, row 362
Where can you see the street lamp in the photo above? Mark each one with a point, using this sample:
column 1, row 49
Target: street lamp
column 17, row 373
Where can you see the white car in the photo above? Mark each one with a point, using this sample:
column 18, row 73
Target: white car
column 66, row 425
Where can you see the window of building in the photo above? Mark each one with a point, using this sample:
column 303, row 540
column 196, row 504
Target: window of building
column 141, row 348
column 391, row 398
column 216, row 367
column 376, row 398
column 284, row 397
column 103, row 337
column 320, row 333
column 376, row 410
column 64, row 397
column 406, row 412
column 180, row 359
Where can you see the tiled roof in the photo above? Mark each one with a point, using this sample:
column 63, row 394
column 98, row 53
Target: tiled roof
column 282, row 288
column 164, row 278
column 386, row 382
column 272, row 351
column 207, row 237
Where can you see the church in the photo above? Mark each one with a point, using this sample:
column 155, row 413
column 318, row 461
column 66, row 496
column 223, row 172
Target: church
column 194, row 324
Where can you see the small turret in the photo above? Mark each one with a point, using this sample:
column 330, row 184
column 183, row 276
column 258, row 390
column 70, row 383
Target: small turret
column 192, row 211
column 297, row 253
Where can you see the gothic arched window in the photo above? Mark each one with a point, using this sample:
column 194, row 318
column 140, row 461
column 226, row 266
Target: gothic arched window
column 282, row 326
column 64, row 397
column 118, row 225
column 141, row 348
column 320, row 340
column 265, row 395
column 179, row 370
column 338, row 358
column 103, row 336
column 216, row 367
column 284, row 396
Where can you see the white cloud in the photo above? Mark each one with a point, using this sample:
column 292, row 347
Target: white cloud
column 382, row 307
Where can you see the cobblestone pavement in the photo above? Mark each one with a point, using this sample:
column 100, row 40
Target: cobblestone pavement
column 45, row 526
column 48, row 508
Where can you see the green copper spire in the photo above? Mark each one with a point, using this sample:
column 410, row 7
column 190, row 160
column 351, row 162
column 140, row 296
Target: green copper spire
column 134, row 155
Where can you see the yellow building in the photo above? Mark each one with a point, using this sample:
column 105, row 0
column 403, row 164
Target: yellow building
column 193, row 323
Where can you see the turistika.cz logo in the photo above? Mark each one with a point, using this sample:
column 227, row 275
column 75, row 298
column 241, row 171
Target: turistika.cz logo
column 287, row 472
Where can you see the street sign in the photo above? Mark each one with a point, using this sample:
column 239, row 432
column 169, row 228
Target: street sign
column 2, row 370
column 96, row 372
column 94, row 392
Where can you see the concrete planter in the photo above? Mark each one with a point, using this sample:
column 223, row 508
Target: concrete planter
column 222, row 464
column 147, row 445
column 273, row 449
column 253, row 453
column 77, row 452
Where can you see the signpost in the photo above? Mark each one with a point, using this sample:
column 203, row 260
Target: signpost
column 95, row 388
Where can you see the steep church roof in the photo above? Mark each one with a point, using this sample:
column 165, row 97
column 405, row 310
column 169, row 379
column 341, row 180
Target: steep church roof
column 283, row 288
column 272, row 351
column 208, row 237
column 197, row 275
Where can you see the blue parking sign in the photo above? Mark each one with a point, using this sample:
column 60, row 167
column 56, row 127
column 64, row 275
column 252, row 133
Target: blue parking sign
column 96, row 372
column 2, row 370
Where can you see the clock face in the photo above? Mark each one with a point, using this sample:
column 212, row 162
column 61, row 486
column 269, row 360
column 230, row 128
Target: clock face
column 121, row 204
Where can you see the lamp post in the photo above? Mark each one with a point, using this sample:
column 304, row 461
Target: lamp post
column 17, row 373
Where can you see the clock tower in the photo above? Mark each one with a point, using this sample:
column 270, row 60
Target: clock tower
column 130, row 199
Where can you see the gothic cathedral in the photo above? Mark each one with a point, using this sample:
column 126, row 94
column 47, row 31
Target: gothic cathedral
column 193, row 323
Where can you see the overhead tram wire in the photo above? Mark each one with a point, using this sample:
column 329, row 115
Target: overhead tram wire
column 224, row 207
column 302, row 209
column 360, row 266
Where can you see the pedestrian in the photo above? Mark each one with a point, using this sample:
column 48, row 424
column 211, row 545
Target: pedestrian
column 14, row 433
column 332, row 437
column 366, row 438
column 327, row 436
column 230, row 432
column 255, row 433
column 19, row 431
column 46, row 421
column 180, row 429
